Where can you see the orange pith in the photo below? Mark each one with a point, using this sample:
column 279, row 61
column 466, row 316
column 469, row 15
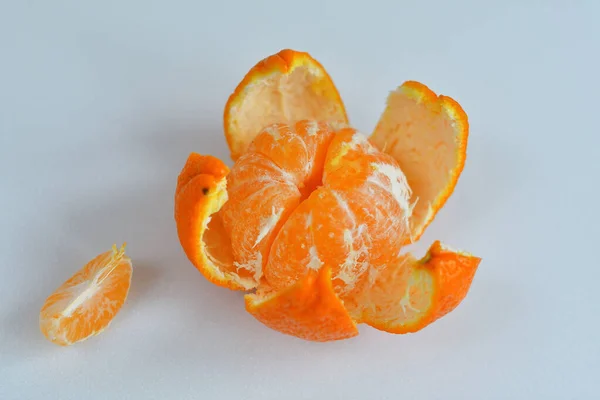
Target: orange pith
column 86, row 303
column 427, row 134
column 200, row 193
column 283, row 88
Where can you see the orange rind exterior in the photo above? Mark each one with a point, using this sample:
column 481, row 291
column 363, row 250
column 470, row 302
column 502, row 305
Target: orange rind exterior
column 299, row 173
column 309, row 309
column 200, row 193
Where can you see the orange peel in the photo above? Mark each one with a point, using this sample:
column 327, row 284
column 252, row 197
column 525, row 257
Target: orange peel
column 427, row 134
column 309, row 309
column 285, row 87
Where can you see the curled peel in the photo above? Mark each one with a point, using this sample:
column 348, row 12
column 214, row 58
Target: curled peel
column 427, row 134
column 285, row 87
column 201, row 192
column 415, row 293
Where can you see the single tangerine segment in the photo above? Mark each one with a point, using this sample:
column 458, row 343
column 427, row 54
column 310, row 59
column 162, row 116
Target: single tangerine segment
column 283, row 88
column 201, row 192
column 308, row 309
column 284, row 164
column 414, row 293
column 86, row 303
column 427, row 134
column 200, row 165
column 298, row 149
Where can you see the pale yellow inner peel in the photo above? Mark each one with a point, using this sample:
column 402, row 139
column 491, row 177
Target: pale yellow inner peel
column 284, row 98
column 422, row 138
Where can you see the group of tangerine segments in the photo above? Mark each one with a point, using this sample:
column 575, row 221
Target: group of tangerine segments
column 311, row 218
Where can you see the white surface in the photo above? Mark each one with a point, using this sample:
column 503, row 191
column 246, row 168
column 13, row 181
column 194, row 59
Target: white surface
column 100, row 105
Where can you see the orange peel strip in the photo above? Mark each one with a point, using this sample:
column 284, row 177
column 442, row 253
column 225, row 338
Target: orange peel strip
column 416, row 293
column 200, row 194
column 427, row 134
column 285, row 87
column 309, row 309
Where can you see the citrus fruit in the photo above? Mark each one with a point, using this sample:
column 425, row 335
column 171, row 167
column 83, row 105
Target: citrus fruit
column 427, row 134
column 87, row 302
column 285, row 87
column 313, row 219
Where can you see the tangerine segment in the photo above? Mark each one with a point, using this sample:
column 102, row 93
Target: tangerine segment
column 427, row 134
column 87, row 302
column 298, row 149
column 354, row 221
column 414, row 293
column 283, row 88
column 283, row 164
column 200, row 194
column 309, row 309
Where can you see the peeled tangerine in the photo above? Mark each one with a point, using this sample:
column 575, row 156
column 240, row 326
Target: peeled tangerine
column 312, row 217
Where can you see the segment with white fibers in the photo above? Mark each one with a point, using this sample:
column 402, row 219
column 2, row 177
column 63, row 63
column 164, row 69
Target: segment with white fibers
column 268, row 224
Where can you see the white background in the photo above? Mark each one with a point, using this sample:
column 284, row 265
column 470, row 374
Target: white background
column 101, row 104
